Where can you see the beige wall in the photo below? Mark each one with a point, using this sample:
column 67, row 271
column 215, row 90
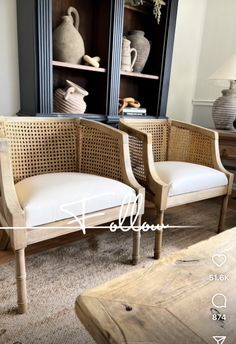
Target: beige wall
column 205, row 37
column 218, row 44
column 9, row 75
column 186, row 53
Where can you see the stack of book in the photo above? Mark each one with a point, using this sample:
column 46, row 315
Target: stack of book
column 132, row 111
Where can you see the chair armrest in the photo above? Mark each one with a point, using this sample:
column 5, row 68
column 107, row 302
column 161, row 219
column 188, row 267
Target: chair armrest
column 13, row 212
column 192, row 143
column 202, row 144
column 152, row 180
column 110, row 153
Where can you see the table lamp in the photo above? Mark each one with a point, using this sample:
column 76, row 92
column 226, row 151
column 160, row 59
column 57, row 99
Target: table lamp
column 224, row 108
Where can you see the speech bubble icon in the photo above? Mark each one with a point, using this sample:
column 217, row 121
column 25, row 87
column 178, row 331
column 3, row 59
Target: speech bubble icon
column 219, row 301
column 219, row 259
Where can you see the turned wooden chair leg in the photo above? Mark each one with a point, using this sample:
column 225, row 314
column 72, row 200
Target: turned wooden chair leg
column 223, row 213
column 21, row 281
column 158, row 236
column 4, row 240
column 136, row 243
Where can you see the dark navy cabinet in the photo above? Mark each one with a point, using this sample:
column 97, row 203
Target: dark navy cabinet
column 103, row 23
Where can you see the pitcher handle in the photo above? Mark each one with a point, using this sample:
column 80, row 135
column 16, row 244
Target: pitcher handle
column 71, row 10
column 68, row 92
column 135, row 54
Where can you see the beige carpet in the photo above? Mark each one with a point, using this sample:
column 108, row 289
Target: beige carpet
column 56, row 277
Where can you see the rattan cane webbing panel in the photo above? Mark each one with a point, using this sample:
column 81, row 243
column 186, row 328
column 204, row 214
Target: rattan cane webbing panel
column 190, row 146
column 136, row 156
column 160, row 135
column 99, row 153
column 39, row 147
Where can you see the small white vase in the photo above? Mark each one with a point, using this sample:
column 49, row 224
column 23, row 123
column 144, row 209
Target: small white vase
column 70, row 99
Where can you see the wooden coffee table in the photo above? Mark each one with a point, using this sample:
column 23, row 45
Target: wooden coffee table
column 169, row 302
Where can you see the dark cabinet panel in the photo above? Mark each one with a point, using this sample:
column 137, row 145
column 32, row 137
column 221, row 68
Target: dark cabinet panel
column 102, row 24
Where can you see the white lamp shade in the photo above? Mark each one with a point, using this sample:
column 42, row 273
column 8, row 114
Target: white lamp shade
column 227, row 71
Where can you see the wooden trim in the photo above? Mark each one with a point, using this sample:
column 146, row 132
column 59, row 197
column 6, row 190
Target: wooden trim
column 203, row 102
column 21, row 281
column 196, row 196
column 10, row 205
column 223, row 213
column 136, row 243
column 78, row 66
column 49, row 231
column 139, row 75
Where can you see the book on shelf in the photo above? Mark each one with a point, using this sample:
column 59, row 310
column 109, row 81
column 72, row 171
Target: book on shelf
column 131, row 111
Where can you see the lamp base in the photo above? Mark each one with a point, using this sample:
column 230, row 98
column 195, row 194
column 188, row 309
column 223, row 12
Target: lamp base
column 224, row 110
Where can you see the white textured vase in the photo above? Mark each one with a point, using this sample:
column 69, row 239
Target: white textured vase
column 142, row 45
column 70, row 99
column 68, row 44
column 224, row 110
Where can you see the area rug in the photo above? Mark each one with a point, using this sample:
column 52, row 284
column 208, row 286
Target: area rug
column 56, row 277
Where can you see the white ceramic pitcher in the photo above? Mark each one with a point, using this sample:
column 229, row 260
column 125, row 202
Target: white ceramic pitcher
column 129, row 56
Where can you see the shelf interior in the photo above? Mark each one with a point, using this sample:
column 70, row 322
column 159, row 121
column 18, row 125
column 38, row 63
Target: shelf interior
column 78, row 66
column 140, row 75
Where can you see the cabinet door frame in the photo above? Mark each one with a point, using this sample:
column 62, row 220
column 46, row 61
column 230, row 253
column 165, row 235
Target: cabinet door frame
column 172, row 7
column 35, row 59
column 115, row 44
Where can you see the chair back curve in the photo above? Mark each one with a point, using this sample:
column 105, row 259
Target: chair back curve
column 99, row 150
column 40, row 145
column 171, row 141
column 160, row 135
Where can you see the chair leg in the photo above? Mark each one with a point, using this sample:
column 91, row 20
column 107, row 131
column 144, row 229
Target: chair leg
column 21, row 281
column 4, row 241
column 223, row 213
column 158, row 236
column 136, row 243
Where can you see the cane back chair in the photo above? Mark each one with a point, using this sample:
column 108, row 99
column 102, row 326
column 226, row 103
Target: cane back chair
column 177, row 163
column 47, row 163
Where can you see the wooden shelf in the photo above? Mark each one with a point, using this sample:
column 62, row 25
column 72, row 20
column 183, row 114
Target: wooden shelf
column 138, row 9
column 94, row 117
column 78, row 66
column 140, row 75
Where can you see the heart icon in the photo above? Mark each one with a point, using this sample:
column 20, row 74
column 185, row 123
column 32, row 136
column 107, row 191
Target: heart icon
column 219, row 259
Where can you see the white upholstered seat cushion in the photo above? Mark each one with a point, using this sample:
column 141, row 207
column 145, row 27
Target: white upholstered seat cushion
column 185, row 177
column 42, row 196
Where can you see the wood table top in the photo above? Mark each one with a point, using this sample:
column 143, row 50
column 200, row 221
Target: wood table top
column 169, row 302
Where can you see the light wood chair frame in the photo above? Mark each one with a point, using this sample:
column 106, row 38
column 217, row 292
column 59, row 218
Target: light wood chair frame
column 12, row 216
column 202, row 148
